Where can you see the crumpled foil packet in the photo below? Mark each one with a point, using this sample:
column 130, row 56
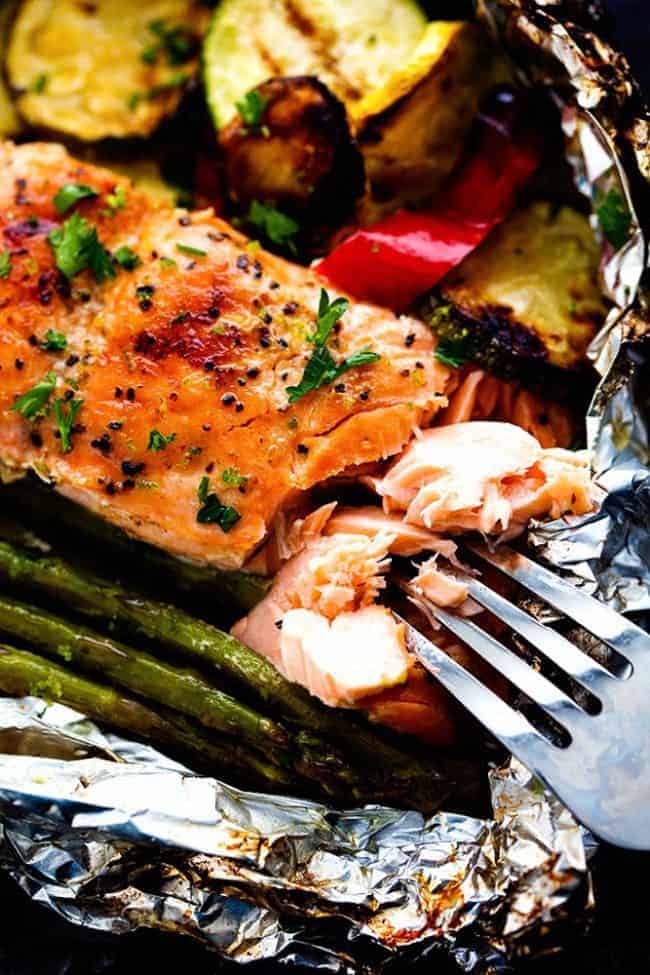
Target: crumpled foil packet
column 113, row 836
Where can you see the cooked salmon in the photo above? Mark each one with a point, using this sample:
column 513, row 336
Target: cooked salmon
column 320, row 623
column 483, row 476
column 181, row 365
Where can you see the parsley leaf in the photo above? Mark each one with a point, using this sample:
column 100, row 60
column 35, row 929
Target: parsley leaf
column 71, row 193
column 65, row 421
column 212, row 511
column 39, row 83
column 613, row 217
column 328, row 315
column 76, row 247
column 127, row 258
column 251, row 108
column 158, row 441
column 54, row 341
column 115, row 200
column 232, row 476
column 322, row 369
column 275, row 225
column 34, row 401
column 5, row 264
column 178, row 43
column 194, row 251
column 455, row 352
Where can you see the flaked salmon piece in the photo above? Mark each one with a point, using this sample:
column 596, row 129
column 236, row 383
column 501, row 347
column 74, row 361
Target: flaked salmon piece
column 320, row 625
column 370, row 520
column 480, row 396
column 342, row 661
column 199, row 343
column 439, row 586
column 483, row 476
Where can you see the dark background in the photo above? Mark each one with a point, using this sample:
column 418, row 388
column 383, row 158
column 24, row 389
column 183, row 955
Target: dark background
column 34, row 942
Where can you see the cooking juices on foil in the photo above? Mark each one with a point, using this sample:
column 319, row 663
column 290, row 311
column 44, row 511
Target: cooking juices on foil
column 254, row 876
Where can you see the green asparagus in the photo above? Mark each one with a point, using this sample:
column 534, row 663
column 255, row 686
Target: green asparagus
column 23, row 673
column 178, row 688
column 235, row 592
column 200, row 641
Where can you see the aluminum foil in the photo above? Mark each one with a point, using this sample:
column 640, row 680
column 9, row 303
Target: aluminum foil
column 113, row 836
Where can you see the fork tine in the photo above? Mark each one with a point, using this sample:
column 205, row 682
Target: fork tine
column 546, row 641
column 554, row 701
column 506, row 724
column 605, row 623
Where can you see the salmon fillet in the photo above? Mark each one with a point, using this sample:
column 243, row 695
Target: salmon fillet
column 200, row 351
column 321, row 624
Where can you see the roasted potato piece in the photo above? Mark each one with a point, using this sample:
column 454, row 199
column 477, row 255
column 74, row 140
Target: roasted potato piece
column 351, row 46
column 527, row 299
column 412, row 130
column 110, row 68
column 299, row 155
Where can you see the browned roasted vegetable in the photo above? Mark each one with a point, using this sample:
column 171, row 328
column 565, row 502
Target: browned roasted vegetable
column 527, row 300
column 412, row 129
column 290, row 147
column 107, row 69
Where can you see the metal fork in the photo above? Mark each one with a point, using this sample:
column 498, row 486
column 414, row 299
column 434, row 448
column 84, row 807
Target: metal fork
column 603, row 774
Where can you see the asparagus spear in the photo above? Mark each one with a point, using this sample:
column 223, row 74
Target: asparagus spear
column 180, row 689
column 235, row 592
column 185, row 691
column 23, row 673
column 203, row 642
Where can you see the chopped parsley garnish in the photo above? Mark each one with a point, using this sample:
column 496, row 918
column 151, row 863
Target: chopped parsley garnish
column 251, row 108
column 134, row 100
column 144, row 293
column 178, row 43
column 54, row 341
column 232, row 477
column 175, row 81
column 115, row 201
column 212, row 511
column 275, row 225
column 40, row 81
column 455, row 351
column 322, row 369
column 168, row 262
column 76, row 247
column 158, row 441
column 193, row 251
column 65, row 421
column 614, row 217
column 34, row 401
column 127, row 258
column 5, row 264
column 70, row 194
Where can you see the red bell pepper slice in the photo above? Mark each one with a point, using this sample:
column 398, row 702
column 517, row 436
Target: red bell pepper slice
column 403, row 256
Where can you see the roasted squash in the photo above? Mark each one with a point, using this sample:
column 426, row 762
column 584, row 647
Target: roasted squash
column 299, row 157
column 350, row 46
column 528, row 299
column 107, row 69
column 412, row 130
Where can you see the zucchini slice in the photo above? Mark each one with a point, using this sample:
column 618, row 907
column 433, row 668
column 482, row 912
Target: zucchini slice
column 107, row 69
column 350, row 46
column 528, row 299
column 412, row 129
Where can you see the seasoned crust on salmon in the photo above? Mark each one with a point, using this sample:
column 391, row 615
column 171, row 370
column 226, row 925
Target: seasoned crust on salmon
column 199, row 342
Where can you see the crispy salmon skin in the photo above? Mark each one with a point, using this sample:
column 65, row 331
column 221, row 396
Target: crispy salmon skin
column 177, row 369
